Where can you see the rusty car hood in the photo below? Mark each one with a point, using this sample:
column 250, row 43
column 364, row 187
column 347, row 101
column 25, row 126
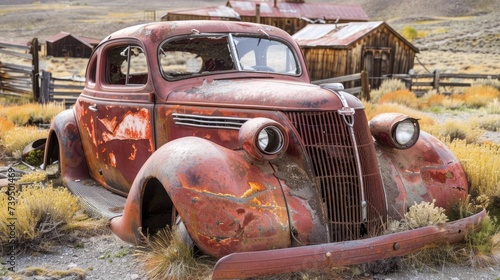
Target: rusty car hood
column 261, row 94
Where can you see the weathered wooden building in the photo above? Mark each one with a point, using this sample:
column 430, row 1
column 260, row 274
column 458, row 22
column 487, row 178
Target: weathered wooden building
column 293, row 15
column 290, row 15
column 333, row 50
column 64, row 44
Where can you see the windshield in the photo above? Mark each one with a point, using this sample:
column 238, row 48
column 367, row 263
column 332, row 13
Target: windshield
column 204, row 55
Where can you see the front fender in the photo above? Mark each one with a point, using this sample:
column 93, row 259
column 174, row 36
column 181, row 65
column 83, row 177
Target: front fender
column 227, row 203
column 64, row 144
column 425, row 172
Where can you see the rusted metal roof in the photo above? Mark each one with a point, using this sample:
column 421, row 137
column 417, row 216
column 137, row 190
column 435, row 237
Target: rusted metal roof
column 310, row 11
column 90, row 42
column 211, row 12
column 340, row 35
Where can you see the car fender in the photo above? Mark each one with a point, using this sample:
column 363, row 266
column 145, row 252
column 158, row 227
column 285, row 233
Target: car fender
column 64, row 144
column 226, row 202
column 428, row 171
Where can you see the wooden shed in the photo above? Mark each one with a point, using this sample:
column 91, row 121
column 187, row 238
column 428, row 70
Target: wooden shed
column 64, row 44
column 289, row 15
column 333, row 50
column 292, row 15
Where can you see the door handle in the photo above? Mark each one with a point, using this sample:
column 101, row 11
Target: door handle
column 93, row 108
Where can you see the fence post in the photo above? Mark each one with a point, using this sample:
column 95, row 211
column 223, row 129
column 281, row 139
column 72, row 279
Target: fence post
column 45, row 90
column 35, row 74
column 435, row 83
column 365, row 86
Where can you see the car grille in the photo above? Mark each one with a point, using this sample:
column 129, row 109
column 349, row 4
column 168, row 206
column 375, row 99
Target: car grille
column 328, row 142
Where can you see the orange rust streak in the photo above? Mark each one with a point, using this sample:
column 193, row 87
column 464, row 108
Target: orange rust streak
column 254, row 188
column 134, row 153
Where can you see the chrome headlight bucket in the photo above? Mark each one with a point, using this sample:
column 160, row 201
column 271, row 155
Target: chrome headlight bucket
column 395, row 130
column 263, row 139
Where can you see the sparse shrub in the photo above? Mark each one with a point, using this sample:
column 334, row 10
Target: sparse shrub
column 5, row 125
column 454, row 102
column 375, row 109
column 493, row 107
column 491, row 123
column 409, row 33
column 480, row 96
column 484, row 244
column 423, row 214
column 168, row 257
column 482, row 166
column 402, row 96
column 33, row 177
column 41, row 215
column 31, row 113
column 18, row 138
column 453, row 130
column 34, row 157
column 431, row 99
column 387, row 86
column 487, row 82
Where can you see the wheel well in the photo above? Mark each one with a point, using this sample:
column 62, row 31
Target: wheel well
column 52, row 150
column 157, row 207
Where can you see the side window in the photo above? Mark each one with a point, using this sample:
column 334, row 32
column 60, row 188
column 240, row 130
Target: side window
column 126, row 65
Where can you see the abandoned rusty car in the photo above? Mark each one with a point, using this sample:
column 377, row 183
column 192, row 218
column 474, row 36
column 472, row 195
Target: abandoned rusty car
column 215, row 128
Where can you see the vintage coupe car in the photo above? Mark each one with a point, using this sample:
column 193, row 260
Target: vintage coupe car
column 215, row 127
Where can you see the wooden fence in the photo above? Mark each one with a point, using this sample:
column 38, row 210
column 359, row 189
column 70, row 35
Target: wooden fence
column 60, row 90
column 20, row 78
column 441, row 82
column 356, row 84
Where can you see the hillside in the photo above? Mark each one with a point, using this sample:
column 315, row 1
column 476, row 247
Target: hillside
column 459, row 35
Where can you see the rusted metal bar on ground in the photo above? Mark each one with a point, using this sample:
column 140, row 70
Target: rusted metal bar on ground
column 322, row 256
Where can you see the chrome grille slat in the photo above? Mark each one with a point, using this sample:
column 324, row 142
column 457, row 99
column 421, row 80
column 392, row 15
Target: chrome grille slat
column 209, row 121
column 330, row 147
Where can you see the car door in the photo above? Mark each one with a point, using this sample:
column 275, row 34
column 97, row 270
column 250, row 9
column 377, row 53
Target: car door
column 116, row 115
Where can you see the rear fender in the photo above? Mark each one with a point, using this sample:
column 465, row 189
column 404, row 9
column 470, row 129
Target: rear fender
column 64, row 145
column 227, row 203
column 425, row 172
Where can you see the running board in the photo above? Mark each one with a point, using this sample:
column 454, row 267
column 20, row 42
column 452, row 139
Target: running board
column 99, row 201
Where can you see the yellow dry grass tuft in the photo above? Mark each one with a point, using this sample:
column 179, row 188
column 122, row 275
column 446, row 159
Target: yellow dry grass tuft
column 40, row 213
column 482, row 165
column 16, row 139
column 402, row 96
column 31, row 113
column 166, row 256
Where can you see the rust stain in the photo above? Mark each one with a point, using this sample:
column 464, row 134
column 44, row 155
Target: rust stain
column 112, row 159
column 254, row 188
column 134, row 152
column 135, row 126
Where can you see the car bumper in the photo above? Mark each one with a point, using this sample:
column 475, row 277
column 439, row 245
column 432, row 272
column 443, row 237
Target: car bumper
column 321, row 256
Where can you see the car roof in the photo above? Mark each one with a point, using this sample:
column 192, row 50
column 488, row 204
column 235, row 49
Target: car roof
column 158, row 31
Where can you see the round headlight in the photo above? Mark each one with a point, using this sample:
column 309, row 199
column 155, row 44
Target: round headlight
column 263, row 139
column 270, row 140
column 406, row 133
column 395, row 130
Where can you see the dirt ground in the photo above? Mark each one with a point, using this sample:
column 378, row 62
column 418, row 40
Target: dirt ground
column 463, row 44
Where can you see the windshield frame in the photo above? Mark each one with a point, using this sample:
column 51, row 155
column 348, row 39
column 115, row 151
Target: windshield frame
column 233, row 66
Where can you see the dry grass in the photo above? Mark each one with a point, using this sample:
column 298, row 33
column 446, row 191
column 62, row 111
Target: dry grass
column 43, row 215
column 16, row 139
column 401, row 96
column 44, row 273
column 31, row 113
column 453, row 130
column 482, row 165
column 166, row 256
